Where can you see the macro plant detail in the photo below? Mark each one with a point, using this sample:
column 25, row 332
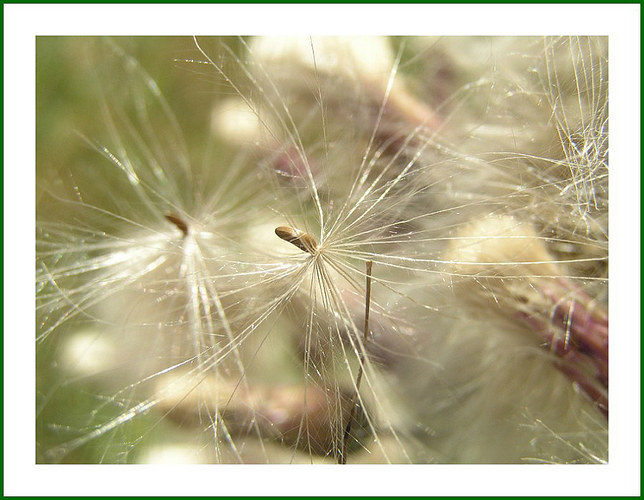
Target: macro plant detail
column 341, row 250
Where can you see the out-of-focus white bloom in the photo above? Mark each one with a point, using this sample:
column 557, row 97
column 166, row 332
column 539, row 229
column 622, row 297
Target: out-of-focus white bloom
column 88, row 353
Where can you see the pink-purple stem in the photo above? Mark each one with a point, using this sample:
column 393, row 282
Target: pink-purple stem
column 577, row 333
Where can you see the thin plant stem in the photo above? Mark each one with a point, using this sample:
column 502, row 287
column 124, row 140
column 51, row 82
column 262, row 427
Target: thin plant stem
column 342, row 459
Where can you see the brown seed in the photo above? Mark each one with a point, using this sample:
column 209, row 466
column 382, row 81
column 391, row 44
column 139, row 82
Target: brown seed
column 303, row 241
column 179, row 222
